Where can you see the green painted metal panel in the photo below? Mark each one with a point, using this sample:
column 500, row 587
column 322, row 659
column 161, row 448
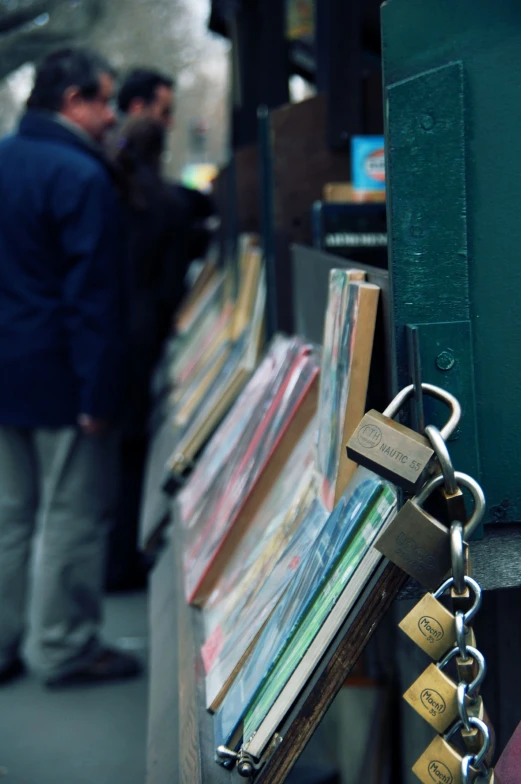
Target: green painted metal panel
column 427, row 213
column 474, row 46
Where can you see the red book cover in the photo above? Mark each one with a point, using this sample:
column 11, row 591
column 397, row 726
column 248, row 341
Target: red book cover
column 246, row 468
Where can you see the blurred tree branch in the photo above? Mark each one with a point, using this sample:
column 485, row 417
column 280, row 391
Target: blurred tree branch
column 28, row 33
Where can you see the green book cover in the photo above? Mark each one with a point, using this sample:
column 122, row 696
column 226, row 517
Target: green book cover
column 364, row 494
column 310, row 625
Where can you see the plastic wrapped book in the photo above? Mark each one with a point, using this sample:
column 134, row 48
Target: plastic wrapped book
column 265, row 429
column 347, row 348
column 230, row 433
column 230, row 642
column 268, row 534
column 335, row 557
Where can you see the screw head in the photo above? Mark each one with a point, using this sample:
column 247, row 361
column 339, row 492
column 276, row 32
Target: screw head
column 427, row 122
column 245, row 769
column 445, row 360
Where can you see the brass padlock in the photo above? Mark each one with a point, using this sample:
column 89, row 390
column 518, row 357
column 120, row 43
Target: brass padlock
column 419, row 544
column 435, row 696
column 432, row 627
column 442, row 762
column 394, row 451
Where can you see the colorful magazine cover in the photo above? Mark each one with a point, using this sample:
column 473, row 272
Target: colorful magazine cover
column 339, row 331
column 226, row 439
column 264, row 430
column 319, row 611
column 192, row 353
column 185, row 403
column 191, row 348
column 354, row 513
column 229, row 643
column 226, row 386
column 329, row 376
column 267, row 535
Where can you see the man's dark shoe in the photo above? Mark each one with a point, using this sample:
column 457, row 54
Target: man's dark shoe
column 13, row 671
column 109, row 666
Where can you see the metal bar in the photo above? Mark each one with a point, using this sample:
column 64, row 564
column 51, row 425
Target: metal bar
column 415, row 367
column 268, row 219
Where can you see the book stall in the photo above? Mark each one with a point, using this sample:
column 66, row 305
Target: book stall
column 325, row 495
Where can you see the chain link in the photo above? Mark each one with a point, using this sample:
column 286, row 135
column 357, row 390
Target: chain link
column 473, row 764
column 471, row 664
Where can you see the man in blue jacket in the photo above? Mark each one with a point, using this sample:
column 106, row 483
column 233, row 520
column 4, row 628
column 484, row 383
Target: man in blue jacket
column 61, row 369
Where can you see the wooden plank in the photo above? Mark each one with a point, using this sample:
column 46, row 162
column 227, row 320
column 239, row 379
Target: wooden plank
column 162, row 746
column 361, row 354
column 196, row 744
column 297, row 163
column 190, row 767
column 155, row 512
column 302, row 164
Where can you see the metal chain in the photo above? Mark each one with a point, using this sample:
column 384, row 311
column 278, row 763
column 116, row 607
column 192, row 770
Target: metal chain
column 471, row 663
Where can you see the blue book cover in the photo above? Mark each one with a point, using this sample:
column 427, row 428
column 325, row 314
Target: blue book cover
column 349, row 514
column 368, row 163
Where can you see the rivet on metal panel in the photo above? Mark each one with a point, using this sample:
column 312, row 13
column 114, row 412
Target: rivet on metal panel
column 445, row 360
column 427, row 122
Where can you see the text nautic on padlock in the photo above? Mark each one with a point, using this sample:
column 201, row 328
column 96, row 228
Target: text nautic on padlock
column 440, row 772
column 394, row 451
column 370, row 436
column 433, row 702
column 430, row 628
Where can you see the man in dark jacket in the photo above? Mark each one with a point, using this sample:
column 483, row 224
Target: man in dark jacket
column 62, row 364
column 166, row 232
column 147, row 94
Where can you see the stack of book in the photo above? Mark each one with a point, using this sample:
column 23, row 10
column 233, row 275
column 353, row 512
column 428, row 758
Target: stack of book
column 278, row 526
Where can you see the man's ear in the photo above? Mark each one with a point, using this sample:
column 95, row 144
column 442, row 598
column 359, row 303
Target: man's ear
column 70, row 97
column 136, row 106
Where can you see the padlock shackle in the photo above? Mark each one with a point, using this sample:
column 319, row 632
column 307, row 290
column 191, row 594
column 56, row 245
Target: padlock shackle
column 437, row 392
column 461, row 630
column 444, row 459
column 464, row 481
column 477, row 656
column 457, row 556
column 468, row 777
column 469, row 615
column 478, row 758
column 472, row 759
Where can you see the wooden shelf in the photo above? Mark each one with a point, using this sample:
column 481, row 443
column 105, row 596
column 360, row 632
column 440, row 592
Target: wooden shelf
column 181, row 745
column 180, row 738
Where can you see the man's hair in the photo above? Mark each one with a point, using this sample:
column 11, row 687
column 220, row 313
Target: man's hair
column 142, row 141
column 141, row 83
column 63, row 69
